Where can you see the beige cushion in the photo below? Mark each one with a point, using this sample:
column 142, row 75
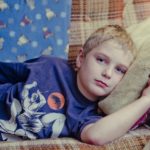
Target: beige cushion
column 131, row 85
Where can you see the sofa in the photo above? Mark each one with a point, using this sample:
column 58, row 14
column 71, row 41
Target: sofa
column 134, row 140
column 86, row 16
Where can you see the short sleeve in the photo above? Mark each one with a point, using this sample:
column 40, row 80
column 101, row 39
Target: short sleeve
column 85, row 122
column 78, row 125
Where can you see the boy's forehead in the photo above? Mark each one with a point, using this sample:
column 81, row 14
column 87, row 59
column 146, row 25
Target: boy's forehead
column 114, row 44
column 115, row 51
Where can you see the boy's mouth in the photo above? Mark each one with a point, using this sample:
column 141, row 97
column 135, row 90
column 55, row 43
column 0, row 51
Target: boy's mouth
column 101, row 83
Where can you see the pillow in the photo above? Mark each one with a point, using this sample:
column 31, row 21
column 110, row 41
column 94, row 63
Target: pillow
column 30, row 28
column 147, row 146
column 130, row 87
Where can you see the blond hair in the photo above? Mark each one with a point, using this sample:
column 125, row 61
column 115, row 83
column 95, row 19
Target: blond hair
column 109, row 32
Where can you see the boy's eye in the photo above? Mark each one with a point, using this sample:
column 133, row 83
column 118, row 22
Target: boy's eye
column 121, row 70
column 102, row 60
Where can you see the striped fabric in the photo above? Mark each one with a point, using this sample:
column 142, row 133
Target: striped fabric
column 88, row 15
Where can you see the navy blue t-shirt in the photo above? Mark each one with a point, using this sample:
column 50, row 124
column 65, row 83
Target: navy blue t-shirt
column 40, row 99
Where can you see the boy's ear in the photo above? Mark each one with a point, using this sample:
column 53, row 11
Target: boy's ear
column 79, row 59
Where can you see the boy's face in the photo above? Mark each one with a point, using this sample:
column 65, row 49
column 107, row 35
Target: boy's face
column 101, row 69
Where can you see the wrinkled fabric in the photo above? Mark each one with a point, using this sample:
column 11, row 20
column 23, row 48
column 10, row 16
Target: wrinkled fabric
column 43, row 101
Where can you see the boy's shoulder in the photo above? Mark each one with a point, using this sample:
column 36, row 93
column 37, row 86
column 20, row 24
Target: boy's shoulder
column 47, row 60
column 55, row 61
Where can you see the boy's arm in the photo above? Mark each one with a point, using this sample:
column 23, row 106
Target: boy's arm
column 117, row 124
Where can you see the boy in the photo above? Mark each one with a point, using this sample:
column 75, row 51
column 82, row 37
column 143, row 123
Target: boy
column 46, row 98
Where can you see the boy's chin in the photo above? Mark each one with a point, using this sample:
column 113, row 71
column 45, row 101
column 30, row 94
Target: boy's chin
column 104, row 94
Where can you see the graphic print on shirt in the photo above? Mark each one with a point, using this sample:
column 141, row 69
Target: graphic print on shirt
column 27, row 114
column 56, row 101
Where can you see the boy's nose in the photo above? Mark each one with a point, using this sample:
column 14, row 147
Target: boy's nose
column 107, row 72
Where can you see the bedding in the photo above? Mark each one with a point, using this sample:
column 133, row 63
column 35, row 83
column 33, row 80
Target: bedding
column 124, row 143
column 30, row 28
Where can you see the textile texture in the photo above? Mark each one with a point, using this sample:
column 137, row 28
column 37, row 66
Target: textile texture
column 30, row 28
column 89, row 15
column 36, row 106
column 130, row 87
column 130, row 143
